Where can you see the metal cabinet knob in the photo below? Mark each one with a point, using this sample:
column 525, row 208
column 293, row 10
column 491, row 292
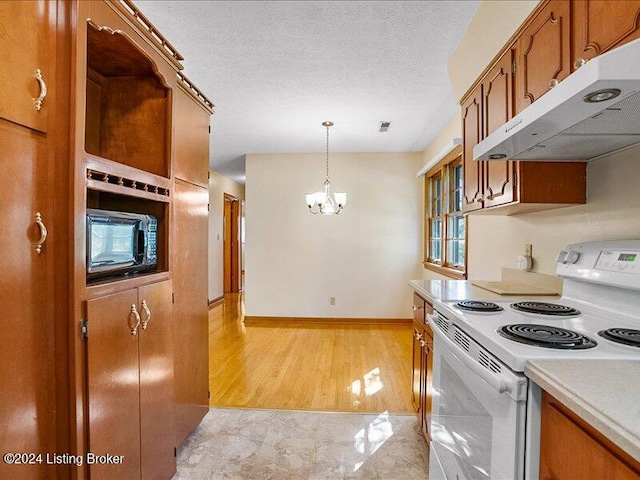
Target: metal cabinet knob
column 147, row 314
column 136, row 317
column 579, row 63
column 37, row 102
column 422, row 343
column 553, row 83
column 43, row 232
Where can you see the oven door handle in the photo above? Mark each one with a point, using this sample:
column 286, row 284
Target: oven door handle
column 494, row 381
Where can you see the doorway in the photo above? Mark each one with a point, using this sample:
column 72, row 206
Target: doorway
column 232, row 249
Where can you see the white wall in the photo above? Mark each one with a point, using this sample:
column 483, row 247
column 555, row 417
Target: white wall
column 218, row 186
column 364, row 257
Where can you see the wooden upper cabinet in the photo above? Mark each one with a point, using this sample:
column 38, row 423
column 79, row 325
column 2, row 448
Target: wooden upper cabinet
column 544, row 55
column 191, row 138
column 600, row 25
column 471, row 136
column 497, row 106
column 26, row 39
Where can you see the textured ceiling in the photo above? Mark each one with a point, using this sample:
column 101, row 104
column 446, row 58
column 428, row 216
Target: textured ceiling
column 277, row 69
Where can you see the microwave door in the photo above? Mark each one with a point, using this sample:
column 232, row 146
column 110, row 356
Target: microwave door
column 112, row 245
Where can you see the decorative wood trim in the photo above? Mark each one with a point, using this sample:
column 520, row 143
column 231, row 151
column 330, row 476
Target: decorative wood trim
column 108, row 286
column 189, row 87
column 106, row 182
column 99, row 164
column 216, row 301
column 509, row 44
column 149, row 30
column 293, row 321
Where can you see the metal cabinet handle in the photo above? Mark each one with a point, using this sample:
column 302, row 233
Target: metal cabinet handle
column 553, row 83
column 134, row 313
column 480, row 199
column 43, row 90
column 418, row 336
column 422, row 343
column 490, row 196
column 147, row 314
column 43, row 233
column 414, row 308
column 579, row 63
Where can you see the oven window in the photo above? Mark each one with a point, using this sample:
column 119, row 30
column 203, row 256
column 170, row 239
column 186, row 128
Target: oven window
column 467, row 425
column 112, row 244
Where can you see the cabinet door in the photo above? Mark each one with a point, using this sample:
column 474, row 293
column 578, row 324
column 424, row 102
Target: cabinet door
column 191, row 139
column 497, row 105
column 567, row 451
column 416, row 370
column 471, row 136
column 113, row 393
column 600, row 25
column 544, row 54
column 426, row 388
column 25, row 30
column 157, row 428
column 191, row 332
column 27, row 392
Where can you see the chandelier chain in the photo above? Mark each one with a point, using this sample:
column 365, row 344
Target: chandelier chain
column 327, row 173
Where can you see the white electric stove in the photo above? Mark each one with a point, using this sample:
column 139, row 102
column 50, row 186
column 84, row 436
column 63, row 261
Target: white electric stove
column 485, row 418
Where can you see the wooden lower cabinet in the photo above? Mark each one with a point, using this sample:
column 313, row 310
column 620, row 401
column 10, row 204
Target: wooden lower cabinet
column 191, row 326
column 426, row 382
column 130, row 383
column 572, row 449
column 422, row 367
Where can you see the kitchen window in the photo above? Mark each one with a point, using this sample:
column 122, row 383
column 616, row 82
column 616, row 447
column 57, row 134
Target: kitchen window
column 445, row 225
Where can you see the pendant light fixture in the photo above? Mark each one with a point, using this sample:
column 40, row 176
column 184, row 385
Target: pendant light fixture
column 323, row 202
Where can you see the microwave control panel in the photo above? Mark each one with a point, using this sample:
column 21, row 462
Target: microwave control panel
column 619, row 261
column 152, row 239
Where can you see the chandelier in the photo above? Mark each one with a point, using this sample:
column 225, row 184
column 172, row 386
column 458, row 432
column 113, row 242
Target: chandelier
column 323, row 202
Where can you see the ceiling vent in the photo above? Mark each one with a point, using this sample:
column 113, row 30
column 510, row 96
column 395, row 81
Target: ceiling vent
column 384, row 127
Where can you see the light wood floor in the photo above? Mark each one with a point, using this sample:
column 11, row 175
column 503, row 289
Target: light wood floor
column 344, row 368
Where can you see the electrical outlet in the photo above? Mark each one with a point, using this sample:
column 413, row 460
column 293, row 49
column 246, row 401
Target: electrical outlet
column 332, row 300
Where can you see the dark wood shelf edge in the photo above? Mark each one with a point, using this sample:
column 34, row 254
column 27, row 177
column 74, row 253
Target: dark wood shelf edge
column 110, row 286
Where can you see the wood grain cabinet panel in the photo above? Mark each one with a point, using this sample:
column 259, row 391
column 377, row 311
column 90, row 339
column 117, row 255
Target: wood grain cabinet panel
column 26, row 34
column 497, row 106
column 471, row 136
column 600, row 25
column 191, row 139
column 191, row 336
column 416, row 370
column 544, row 54
column 426, row 382
column 130, row 382
column 571, row 449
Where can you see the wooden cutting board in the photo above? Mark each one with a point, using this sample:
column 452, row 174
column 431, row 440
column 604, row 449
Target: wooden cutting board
column 511, row 288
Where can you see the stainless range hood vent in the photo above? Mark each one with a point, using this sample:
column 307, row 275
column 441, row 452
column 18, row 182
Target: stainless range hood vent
column 593, row 112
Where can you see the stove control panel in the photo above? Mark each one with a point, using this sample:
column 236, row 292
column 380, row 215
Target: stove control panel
column 623, row 261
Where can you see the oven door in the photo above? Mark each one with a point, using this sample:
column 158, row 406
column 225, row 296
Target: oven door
column 479, row 409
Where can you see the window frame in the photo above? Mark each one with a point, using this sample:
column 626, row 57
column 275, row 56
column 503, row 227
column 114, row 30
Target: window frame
column 444, row 169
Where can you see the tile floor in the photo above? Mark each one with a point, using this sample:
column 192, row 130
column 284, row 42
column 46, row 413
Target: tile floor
column 277, row 444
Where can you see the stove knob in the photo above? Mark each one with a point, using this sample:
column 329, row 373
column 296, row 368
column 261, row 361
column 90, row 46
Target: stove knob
column 562, row 257
column 572, row 256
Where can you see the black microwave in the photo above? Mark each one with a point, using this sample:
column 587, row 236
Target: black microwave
column 120, row 243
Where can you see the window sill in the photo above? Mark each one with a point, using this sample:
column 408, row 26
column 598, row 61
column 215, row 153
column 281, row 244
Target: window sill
column 447, row 272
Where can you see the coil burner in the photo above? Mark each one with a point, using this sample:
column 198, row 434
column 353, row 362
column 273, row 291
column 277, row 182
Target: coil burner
column 625, row 336
column 543, row 308
column 475, row 306
column 546, row 336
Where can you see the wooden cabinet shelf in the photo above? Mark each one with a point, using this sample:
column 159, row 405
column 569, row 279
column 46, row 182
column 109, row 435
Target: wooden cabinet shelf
column 128, row 103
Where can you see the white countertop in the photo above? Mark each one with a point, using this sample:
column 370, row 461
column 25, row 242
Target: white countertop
column 604, row 393
column 456, row 290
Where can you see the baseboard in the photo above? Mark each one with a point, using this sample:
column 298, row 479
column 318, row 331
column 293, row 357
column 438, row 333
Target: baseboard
column 266, row 321
column 216, row 301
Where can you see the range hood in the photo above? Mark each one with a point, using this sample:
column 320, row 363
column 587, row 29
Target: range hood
column 592, row 112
